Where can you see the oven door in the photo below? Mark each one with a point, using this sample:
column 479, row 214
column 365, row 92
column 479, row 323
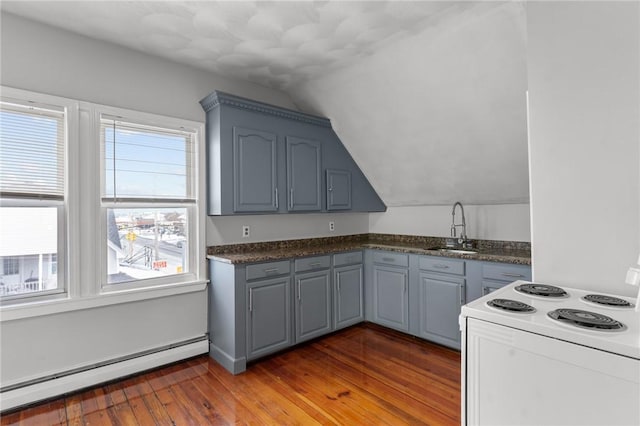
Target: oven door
column 512, row 377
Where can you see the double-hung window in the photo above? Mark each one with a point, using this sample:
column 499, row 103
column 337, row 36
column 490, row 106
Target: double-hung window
column 148, row 201
column 33, row 152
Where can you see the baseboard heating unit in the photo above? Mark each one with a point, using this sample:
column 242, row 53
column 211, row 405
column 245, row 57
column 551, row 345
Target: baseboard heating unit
column 26, row 393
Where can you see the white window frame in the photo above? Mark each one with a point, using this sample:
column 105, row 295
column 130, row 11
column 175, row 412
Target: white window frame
column 66, row 208
column 80, row 260
column 195, row 220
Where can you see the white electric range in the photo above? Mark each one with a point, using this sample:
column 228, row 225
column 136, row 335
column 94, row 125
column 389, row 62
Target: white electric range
column 535, row 354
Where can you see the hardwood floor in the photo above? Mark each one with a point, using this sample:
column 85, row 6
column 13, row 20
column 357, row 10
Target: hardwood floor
column 364, row 375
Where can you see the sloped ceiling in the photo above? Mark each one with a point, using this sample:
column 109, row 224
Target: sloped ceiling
column 427, row 96
column 437, row 117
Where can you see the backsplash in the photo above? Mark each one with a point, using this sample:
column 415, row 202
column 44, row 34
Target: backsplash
column 390, row 239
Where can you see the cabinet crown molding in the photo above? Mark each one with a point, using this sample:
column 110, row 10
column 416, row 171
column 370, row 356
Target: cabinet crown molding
column 217, row 98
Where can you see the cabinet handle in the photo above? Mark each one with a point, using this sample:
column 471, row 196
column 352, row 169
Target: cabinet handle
column 276, row 191
column 330, row 189
column 506, row 274
column 250, row 300
column 405, row 286
column 460, row 287
column 485, row 291
column 270, row 270
column 441, row 266
column 315, row 264
column 299, row 296
column 291, row 199
column 388, row 259
column 338, row 285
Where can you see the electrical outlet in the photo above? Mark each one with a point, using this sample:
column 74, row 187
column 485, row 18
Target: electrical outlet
column 245, row 231
column 332, row 226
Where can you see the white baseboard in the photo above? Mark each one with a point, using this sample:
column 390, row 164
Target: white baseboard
column 59, row 386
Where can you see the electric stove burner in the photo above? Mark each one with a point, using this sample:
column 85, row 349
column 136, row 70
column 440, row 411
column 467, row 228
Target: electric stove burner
column 511, row 306
column 586, row 319
column 611, row 301
column 543, row 290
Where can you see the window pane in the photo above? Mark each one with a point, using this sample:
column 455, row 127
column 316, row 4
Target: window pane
column 31, row 151
column 144, row 162
column 28, row 251
column 146, row 243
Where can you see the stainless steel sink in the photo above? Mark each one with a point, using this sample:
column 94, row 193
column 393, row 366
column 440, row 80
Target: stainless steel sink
column 454, row 250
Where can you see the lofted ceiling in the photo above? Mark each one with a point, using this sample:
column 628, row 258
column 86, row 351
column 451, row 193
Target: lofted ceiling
column 428, row 96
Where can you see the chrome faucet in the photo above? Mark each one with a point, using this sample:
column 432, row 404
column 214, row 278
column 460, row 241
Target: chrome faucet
column 462, row 240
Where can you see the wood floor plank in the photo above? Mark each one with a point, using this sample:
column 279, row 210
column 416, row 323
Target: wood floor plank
column 364, row 374
column 138, row 387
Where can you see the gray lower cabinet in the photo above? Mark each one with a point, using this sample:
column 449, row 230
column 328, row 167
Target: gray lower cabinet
column 442, row 292
column 441, row 298
column 348, row 301
column 498, row 275
column 390, row 287
column 268, row 316
column 313, row 305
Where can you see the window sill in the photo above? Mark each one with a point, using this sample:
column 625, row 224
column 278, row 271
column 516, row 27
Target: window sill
column 50, row 307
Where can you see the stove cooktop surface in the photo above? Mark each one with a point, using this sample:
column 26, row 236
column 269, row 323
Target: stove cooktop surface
column 620, row 334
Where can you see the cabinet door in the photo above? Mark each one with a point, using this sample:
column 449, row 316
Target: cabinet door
column 441, row 298
column 268, row 316
column 313, row 305
column 348, row 303
column 391, row 297
column 338, row 189
column 254, row 171
column 303, row 174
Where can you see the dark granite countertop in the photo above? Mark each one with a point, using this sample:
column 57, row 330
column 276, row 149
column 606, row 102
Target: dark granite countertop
column 488, row 250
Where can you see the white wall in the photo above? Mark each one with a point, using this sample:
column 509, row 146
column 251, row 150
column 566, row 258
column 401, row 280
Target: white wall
column 584, row 101
column 228, row 229
column 508, row 222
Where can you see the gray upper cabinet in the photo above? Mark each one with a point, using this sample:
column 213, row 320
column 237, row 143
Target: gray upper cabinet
column 338, row 189
column 303, row 174
column 263, row 159
column 255, row 171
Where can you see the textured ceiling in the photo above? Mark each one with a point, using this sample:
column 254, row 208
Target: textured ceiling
column 272, row 43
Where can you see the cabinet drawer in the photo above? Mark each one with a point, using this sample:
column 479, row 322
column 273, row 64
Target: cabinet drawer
column 446, row 266
column 387, row 258
column 311, row 263
column 502, row 272
column 347, row 258
column 270, row 269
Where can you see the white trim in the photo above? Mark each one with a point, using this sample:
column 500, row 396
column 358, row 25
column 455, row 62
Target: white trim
column 51, row 388
column 49, row 307
column 81, row 264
